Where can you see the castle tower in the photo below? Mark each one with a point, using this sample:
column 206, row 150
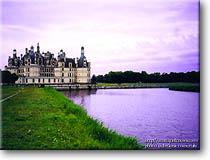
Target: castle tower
column 82, row 51
column 14, row 53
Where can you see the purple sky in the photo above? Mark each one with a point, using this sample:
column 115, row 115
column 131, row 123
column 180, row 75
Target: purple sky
column 151, row 35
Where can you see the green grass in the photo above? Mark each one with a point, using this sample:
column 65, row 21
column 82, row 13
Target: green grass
column 43, row 118
column 186, row 87
column 114, row 84
column 7, row 91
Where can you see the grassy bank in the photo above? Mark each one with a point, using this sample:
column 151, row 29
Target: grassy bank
column 43, row 118
column 185, row 87
column 7, row 91
column 177, row 86
column 112, row 84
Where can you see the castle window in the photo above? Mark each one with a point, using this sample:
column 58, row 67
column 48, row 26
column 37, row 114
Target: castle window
column 62, row 74
column 49, row 80
column 62, row 80
column 62, row 69
column 39, row 80
column 54, row 80
column 33, row 80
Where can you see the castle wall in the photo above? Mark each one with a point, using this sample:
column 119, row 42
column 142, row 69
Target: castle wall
column 83, row 75
column 34, row 71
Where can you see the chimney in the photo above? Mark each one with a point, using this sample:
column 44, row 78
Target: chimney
column 26, row 50
column 38, row 48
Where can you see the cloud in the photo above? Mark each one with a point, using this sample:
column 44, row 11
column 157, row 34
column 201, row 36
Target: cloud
column 124, row 34
column 189, row 55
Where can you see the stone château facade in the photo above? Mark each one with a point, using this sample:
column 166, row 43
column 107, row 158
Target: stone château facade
column 35, row 67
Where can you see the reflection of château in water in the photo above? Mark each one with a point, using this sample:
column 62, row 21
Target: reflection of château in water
column 43, row 68
column 80, row 97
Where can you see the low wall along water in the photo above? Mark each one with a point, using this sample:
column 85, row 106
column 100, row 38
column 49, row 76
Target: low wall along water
column 94, row 86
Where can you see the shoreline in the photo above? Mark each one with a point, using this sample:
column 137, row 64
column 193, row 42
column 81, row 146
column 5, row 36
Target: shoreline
column 194, row 87
column 176, row 86
column 49, row 120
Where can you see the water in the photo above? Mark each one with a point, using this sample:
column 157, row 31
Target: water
column 147, row 114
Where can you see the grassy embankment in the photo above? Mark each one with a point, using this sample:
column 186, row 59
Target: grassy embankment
column 43, row 118
column 177, row 86
column 114, row 84
column 186, row 87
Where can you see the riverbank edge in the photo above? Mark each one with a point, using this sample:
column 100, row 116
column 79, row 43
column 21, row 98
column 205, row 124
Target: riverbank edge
column 176, row 86
column 190, row 87
column 97, row 136
column 185, row 88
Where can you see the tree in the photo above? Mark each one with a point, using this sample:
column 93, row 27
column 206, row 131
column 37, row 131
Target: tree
column 93, row 79
column 135, row 77
column 7, row 77
column 14, row 78
column 100, row 78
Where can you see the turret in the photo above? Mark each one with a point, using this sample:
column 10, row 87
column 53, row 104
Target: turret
column 14, row 53
column 82, row 51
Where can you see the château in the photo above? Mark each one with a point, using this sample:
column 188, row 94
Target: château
column 35, row 67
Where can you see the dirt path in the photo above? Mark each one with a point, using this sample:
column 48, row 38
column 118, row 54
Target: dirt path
column 2, row 100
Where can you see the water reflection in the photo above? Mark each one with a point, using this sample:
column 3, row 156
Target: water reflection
column 81, row 97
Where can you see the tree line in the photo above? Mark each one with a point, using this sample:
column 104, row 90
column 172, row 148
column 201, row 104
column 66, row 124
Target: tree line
column 144, row 77
column 7, row 77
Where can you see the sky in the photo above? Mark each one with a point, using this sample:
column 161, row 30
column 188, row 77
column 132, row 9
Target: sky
column 118, row 35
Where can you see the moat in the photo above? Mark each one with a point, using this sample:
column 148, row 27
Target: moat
column 144, row 113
